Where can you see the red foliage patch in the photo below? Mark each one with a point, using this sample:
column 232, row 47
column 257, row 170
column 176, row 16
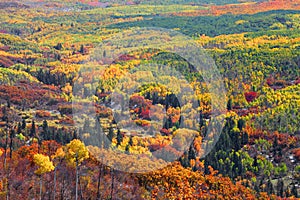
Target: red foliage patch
column 251, row 96
column 165, row 131
column 4, row 48
column 145, row 114
column 28, row 93
column 67, row 121
column 137, row 101
column 103, row 111
column 67, row 109
column 284, row 140
column 296, row 152
column 5, row 61
column 126, row 57
column 155, row 147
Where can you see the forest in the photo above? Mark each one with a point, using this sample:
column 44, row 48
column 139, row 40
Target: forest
column 95, row 105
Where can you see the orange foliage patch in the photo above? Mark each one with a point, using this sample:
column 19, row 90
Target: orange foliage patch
column 42, row 113
column 296, row 152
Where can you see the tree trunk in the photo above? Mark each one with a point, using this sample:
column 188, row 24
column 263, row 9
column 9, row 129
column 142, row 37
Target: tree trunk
column 5, row 150
column 8, row 190
column 54, row 187
column 76, row 189
column 5, row 166
column 62, row 189
column 112, row 184
column 99, row 182
column 10, row 148
column 41, row 187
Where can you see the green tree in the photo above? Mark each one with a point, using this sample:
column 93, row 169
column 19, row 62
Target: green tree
column 23, row 124
column 58, row 46
column 32, row 130
column 119, row 138
column 45, row 131
column 229, row 104
column 81, row 50
column 294, row 191
column 279, row 188
column 111, row 133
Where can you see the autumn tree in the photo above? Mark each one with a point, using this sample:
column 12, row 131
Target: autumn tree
column 45, row 165
column 76, row 153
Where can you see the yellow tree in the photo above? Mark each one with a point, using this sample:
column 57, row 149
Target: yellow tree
column 76, row 152
column 45, row 165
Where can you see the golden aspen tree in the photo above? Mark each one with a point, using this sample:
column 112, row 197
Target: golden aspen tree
column 45, row 165
column 76, row 152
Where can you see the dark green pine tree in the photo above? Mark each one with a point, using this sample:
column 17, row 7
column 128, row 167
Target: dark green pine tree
column 168, row 123
column 98, row 133
column 86, row 126
column 59, row 136
column 261, row 182
column 229, row 104
column 275, row 146
column 184, row 160
column 279, row 188
column 23, row 124
column 4, row 113
column 45, row 132
column 155, row 98
column 241, row 124
column 130, row 141
column 270, row 188
column 256, row 188
column 238, row 166
column 255, row 165
column 201, row 119
column 127, row 148
column 236, row 141
column 75, row 135
column 81, row 50
column 19, row 129
column 110, row 134
column 119, row 138
column 58, row 46
column 192, row 153
column 8, row 102
column 52, row 134
column 206, row 164
column 245, row 138
column 294, row 191
column 12, row 136
column 32, row 130
column 288, row 192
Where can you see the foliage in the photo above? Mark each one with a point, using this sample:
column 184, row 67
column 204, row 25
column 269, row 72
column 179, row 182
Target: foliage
column 76, row 152
column 43, row 45
column 44, row 164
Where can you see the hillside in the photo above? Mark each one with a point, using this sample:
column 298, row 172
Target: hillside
column 149, row 99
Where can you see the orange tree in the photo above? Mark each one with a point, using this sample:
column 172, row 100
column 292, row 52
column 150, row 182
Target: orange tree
column 177, row 182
